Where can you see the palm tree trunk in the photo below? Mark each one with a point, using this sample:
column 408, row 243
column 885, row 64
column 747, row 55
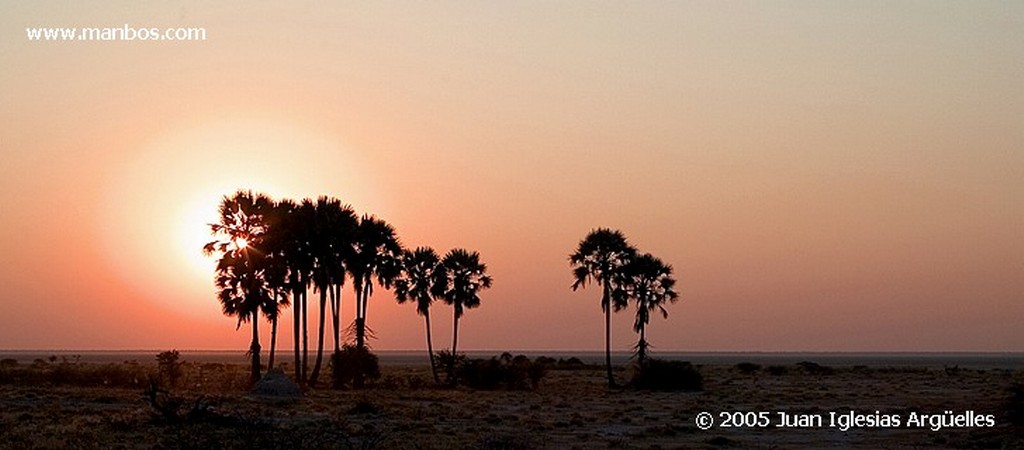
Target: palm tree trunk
column 606, row 302
column 361, row 338
column 359, row 302
column 273, row 342
column 320, row 342
column 430, row 348
column 254, row 348
column 455, row 352
column 335, row 315
column 305, row 335
column 296, row 314
column 337, row 319
column 641, row 352
column 361, row 318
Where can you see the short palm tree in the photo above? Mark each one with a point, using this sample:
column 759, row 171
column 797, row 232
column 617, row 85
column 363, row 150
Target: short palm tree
column 241, row 281
column 598, row 258
column 650, row 284
column 458, row 282
column 416, row 282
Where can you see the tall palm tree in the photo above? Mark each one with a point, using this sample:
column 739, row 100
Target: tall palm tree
column 650, row 284
column 598, row 258
column 416, row 282
column 298, row 220
column 458, row 283
column 332, row 236
column 275, row 246
column 376, row 253
column 241, row 281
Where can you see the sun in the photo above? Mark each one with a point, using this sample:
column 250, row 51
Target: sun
column 241, row 243
column 173, row 188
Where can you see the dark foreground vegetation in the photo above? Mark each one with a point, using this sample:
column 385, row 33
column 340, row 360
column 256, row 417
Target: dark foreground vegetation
column 506, row 401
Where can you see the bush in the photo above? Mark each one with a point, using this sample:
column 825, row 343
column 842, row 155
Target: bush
column 505, row 372
column 662, row 375
column 815, row 368
column 449, row 363
column 351, row 364
column 777, row 370
column 748, row 368
column 481, row 373
column 169, row 366
column 546, row 361
column 1015, row 404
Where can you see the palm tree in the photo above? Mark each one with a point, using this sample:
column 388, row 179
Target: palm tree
column 461, row 278
column 333, row 230
column 599, row 257
column 274, row 247
column 649, row 283
column 376, row 252
column 298, row 220
column 243, row 290
column 416, row 282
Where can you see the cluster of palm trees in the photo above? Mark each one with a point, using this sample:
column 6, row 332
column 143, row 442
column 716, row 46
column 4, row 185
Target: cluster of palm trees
column 605, row 257
column 271, row 253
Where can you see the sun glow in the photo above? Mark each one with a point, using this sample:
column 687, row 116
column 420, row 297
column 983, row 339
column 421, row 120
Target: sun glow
column 175, row 185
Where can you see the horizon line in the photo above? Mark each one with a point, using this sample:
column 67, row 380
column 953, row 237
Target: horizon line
column 499, row 351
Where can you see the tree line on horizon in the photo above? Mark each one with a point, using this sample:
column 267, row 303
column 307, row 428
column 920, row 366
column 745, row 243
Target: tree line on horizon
column 272, row 253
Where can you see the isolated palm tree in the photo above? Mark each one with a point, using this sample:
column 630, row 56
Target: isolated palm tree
column 458, row 282
column 598, row 258
column 416, row 282
column 376, row 253
column 331, row 243
column 650, row 285
column 241, row 281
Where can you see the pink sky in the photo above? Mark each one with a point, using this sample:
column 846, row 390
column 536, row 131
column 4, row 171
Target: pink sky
column 832, row 177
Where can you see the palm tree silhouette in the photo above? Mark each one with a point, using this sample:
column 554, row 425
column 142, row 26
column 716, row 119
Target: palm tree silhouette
column 460, row 278
column 599, row 257
column 298, row 220
column 376, row 253
column 274, row 244
column 243, row 290
column 650, row 284
column 417, row 282
column 333, row 229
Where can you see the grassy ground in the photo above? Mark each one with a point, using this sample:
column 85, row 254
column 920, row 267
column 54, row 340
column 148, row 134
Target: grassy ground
column 570, row 409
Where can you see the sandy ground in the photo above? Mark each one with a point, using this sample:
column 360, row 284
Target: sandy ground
column 570, row 409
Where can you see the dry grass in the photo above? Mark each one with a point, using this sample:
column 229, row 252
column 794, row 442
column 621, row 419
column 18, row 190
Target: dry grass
column 569, row 409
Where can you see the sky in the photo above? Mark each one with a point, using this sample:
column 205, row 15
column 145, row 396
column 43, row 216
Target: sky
column 822, row 176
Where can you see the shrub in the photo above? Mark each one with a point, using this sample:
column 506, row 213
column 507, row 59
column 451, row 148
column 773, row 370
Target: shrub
column 7, row 363
column 482, row 373
column 449, row 362
column 169, row 366
column 1015, row 404
column 815, row 368
column 748, row 368
column 662, row 375
column 777, row 370
column 505, row 372
column 351, row 363
column 544, row 360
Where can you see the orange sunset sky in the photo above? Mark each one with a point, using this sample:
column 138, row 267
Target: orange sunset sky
column 823, row 176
